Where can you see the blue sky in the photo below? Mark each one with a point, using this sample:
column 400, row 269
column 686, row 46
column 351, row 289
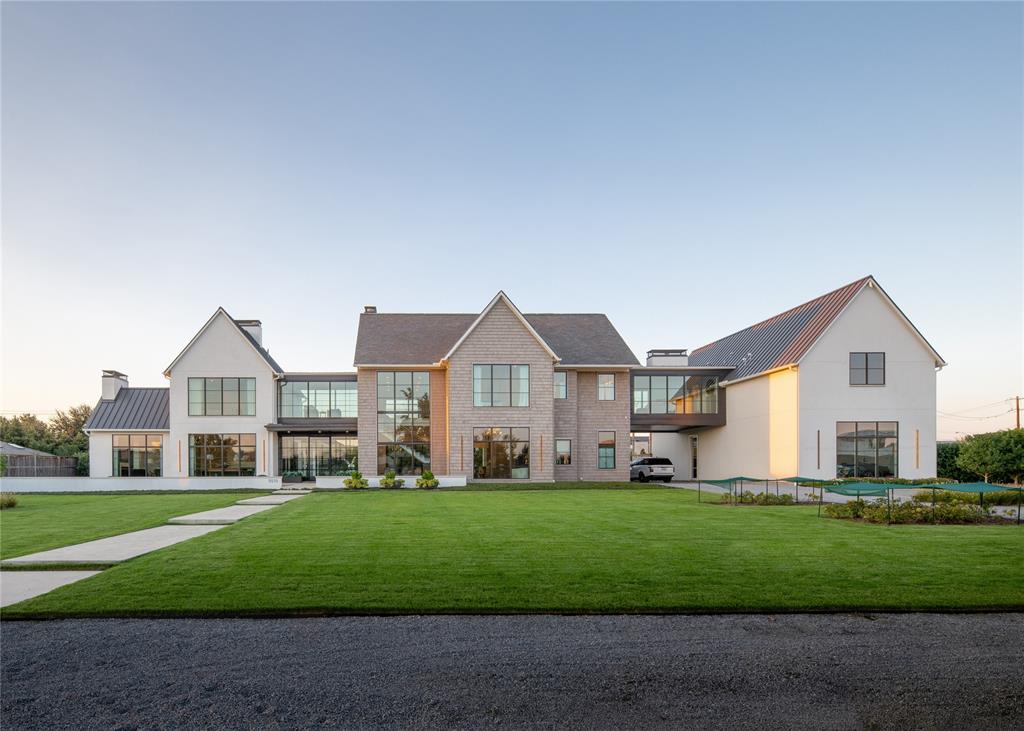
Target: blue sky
column 687, row 169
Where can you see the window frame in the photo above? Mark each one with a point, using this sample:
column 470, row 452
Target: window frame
column 406, row 420
column 601, row 447
column 511, row 441
column 859, row 434
column 602, row 388
column 866, row 370
column 240, row 447
column 146, row 448
column 559, row 452
column 560, row 388
column 206, row 391
column 479, row 393
column 301, row 398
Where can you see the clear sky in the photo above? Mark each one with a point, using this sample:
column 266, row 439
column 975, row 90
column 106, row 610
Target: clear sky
column 687, row 169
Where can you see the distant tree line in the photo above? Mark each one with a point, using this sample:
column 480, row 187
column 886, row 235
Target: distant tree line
column 62, row 435
column 994, row 457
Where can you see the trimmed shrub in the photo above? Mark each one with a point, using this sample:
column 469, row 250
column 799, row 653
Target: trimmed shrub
column 356, row 481
column 878, row 511
column 951, row 497
column 8, row 500
column 427, row 480
column 759, row 498
column 390, row 482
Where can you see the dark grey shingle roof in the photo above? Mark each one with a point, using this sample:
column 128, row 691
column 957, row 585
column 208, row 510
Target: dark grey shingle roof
column 16, row 450
column 423, row 338
column 133, row 408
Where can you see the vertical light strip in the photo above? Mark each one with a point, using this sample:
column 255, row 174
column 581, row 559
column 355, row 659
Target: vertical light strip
column 917, row 448
column 819, row 449
column 264, row 456
column 179, row 456
column 541, row 465
column 462, row 456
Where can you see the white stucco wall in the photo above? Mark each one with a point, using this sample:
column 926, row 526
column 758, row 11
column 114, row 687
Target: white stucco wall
column 761, row 431
column 220, row 352
column 101, row 457
column 869, row 324
column 676, row 447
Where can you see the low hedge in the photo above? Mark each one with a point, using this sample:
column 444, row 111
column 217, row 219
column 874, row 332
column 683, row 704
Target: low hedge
column 759, row 498
column 878, row 511
column 952, row 497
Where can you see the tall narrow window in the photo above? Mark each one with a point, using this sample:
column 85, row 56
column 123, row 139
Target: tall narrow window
column 403, row 422
column 867, row 369
column 606, row 450
column 561, row 388
column 563, row 451
column 605, row 386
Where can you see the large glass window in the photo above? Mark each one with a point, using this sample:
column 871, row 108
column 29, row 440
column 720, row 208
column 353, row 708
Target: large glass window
column 501, row 385
column 867, row 369
column 317, row 400
column 669, row 394
column 137, row 455
column 561, row 387
column 501, row 453
column 307, row 456
column 606, row 450
column 222, row 455
column 605, row 386
column 403, row 422
column 867, row 449
column 563, row 451
column 222, row 397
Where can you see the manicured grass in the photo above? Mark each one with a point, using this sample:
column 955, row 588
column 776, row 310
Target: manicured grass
column 42, row 522
column 551, row 551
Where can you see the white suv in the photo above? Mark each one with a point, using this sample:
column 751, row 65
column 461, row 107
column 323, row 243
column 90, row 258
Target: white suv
column 652, row 468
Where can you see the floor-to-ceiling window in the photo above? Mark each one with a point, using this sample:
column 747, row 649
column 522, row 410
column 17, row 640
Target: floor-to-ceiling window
column 867, row 449
column 667, row 394
column 137, row 455
column 501, row 452
column 403, row 422
column 309, row 455
column 222, row 455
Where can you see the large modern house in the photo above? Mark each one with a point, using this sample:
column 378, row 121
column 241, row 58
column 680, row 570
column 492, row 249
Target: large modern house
column 843, row 385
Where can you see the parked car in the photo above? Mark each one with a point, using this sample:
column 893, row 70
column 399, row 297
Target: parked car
column 651, row 468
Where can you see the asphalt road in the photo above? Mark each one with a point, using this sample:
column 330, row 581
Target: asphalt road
column 767, row 671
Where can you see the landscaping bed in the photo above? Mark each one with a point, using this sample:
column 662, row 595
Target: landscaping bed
column 916, row 512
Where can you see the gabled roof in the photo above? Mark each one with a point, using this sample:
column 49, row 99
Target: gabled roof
column 784, row 339
column 260, row 350
column 426, row 339
column 503, row 298
column 132, row 408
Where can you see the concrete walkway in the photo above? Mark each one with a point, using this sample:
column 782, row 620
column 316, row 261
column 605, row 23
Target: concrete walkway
column 17, row 586
column 116, row 549
column 275, row 499
column 220, row 516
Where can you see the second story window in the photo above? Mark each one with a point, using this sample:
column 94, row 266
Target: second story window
column 222, row 397
column 605, row 386
column 317, row 400
column 867, row 369
column 561, row 389
column 501, row 385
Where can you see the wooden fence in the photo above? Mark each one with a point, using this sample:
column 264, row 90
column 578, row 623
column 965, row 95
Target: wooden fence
column 33, row 465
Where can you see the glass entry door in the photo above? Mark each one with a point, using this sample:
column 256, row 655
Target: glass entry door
column 307, row 456
column 319, row 456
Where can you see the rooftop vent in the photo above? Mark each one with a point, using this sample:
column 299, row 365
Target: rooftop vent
column 370, row 309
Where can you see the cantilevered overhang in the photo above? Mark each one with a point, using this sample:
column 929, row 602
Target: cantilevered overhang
column 672, row 422
column 313, row 426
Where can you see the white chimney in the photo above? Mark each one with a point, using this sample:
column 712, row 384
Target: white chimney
column 113, row 381
column 370, row 309
column 668, row 357
column 254, row 328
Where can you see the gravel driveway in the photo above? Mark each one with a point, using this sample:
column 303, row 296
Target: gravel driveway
column 737, row 671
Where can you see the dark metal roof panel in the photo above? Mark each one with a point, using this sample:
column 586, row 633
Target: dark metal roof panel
column 133, row 409
column 779, row 340
column 259, row 348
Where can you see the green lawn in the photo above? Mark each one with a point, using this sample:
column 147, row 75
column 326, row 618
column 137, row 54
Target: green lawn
column 42, row 522
column 552, row 551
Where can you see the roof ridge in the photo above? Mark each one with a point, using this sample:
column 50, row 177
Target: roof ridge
column 784, row 313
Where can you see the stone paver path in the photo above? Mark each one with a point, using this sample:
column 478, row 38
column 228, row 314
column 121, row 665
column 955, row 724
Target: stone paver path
column 17, row 586
column 220, row 516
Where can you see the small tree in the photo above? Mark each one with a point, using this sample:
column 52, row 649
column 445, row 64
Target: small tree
column 979, row 455
column 1010, row 454
column 946, row 466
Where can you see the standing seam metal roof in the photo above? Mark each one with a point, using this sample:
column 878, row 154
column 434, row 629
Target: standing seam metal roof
column 133, row 408
column 779, row 340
